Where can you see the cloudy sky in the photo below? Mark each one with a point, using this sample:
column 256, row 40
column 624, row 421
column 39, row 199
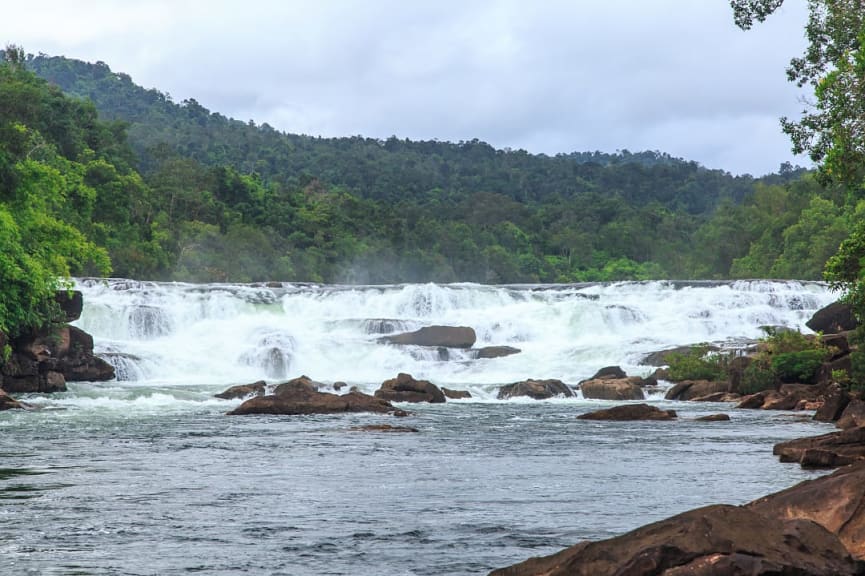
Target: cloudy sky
column 546, row 76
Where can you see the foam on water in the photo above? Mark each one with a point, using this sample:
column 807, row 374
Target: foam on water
column 175, row 335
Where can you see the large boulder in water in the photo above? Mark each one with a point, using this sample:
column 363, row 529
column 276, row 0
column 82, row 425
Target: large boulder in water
column 404, row 388
column 446, row 336
column 613, row 389
column 834, row 318
column 630, row 412
column 488, row 352
column 537, row 389
column 710, row 541
column 692, row 389
column 298, row 398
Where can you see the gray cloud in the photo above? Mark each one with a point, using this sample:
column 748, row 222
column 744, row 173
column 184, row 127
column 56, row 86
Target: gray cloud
column 552, row 76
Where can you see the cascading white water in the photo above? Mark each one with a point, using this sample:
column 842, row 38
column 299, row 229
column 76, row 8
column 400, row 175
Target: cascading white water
column 168, row 334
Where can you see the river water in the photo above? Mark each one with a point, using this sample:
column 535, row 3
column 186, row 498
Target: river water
column 146, row 475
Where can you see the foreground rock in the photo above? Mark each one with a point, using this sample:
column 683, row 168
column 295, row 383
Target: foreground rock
column 714, row 540
column 446, row 336
column 537, row 389
column 299, row 398
column 630, row 412
column 824, row 451
column 242, row 391
column 7, row 402
column 613, row 389
column 404, row 388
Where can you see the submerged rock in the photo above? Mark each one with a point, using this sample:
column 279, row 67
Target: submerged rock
column 447, row 336
column 456, row 394
column 630, row 412
column 383, row 428
column 713, row 418
column 243, row 390
column 496, row 351
column 537, row 389
column 404, row 388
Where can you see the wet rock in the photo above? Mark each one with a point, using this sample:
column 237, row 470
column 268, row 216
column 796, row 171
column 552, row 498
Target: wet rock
column 404, row 388
column 714, row 540
column 612, row 389
column 630, row 412
column 691, row 389
column 447, row 336
column 496, row 351
column 456, row 394
column 834, row 318
column 537, row 389
column 383, row 428
column 713, row 418
column 301, row 382
column 853, row 415
column 846, row 446
column 7, row 402
column 298, row 398
column 719, row 397
column 383, row 325
column 243, row 390
column 339, row 385
column 614, row 372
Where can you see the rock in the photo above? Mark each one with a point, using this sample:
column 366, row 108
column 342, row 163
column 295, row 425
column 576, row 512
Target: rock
column 713, row 418
column 718, row 397
column 839, row 343
column 661, row 374
column 847, row 446
column 7, row 402
column 298, row 398
column 456, row 394
column 447, row 336
column 834, row 318
column 71, row 303
column 401, row 413
column 404, row 388
column 714, row 540
column 754, row 401
column 836, row 502
column 609, row 372
column 339, row 385
column 612, row 389
column 383, row 428
column 496, row 351
column 835, row 401
column 630, row 412
column 691, row 389
column 243, row 390
column 52, row 382
column 302, row 383
column 662, row 357
column 853, row 415
column 537, row 389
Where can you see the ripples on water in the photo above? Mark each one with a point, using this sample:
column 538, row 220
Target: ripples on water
column 480, row 486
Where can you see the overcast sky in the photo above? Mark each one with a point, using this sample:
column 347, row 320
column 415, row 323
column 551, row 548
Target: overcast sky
column 546, row 76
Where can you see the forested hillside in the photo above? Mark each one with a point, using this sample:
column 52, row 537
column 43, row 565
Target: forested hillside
column 173, row 191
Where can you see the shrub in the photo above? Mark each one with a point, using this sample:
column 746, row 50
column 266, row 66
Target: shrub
column 799, row 366
column 697, row 365
column 758, row 376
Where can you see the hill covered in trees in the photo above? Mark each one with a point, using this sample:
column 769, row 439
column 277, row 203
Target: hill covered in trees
column 163, row 190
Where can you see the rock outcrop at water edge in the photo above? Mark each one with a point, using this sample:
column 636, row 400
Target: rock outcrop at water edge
column 815, row 528
column 435, row 336
column 243, row 391
column 7, row 402
column 296, row 398
column 825, row 451
column 404, row 388
column 537, row 389
column 613, row 389
column 630, row 412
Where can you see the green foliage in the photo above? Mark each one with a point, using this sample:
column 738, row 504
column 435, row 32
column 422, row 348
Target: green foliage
column 798, row 367
column 697, row 364
column 758, row 376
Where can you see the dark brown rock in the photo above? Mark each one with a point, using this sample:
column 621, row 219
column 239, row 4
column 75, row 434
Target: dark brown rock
column 839, row 343
column 848, row 444
column 447, row 336
column 835, row 400
column 243, row 390
column 691, row 389
column 298, row 398
column 612, row 389
column 304, row 383
column 537, row 389
column 496, row 351
column 71, row 303
column 7, row 402
column 383, row 428
column 853, row 415
column 456, row 394
column 714, row 540
column 714, row 418
column 719, row 397
column 630, row 412
column 404, row 388
column 614, row 372
column 834, row 318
